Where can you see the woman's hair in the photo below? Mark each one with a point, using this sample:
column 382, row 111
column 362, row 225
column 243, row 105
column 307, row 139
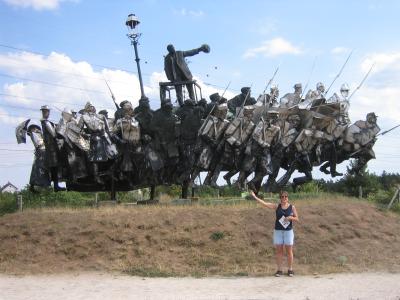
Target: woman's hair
column 283, row 193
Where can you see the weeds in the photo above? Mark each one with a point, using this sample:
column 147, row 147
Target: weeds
column 342, row 260
column 217, row 235
column 149, row 271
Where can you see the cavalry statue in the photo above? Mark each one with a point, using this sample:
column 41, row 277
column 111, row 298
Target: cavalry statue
column 255, row 139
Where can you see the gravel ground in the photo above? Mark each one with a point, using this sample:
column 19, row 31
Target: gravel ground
column 108, row 286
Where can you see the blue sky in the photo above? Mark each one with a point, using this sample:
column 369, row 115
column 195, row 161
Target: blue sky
column 82, row 41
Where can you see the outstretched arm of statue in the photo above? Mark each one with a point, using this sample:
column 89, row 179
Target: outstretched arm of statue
column 205, row 48
column 191, row 52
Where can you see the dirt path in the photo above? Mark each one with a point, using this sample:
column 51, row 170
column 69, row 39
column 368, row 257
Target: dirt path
column 107, row 286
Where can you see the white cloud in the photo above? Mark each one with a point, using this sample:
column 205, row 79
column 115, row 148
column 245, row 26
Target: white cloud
column 187, row 12
column 340, row 50
column 380, row 92
column 382, row 61
column 274, row 47
column 36, row 4
column 71, row 83
column 58, row 81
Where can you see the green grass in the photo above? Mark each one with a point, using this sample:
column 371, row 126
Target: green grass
column 148, row 271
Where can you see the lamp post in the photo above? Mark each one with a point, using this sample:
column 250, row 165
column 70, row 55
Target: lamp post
column 132, row 22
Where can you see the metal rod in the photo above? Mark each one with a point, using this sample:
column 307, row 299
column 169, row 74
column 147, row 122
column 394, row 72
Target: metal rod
column 137, row 59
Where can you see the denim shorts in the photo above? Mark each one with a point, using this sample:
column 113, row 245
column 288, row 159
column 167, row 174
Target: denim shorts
column 283, row 237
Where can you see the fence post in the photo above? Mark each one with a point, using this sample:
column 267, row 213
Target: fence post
column 20, row 203
column 396, row 195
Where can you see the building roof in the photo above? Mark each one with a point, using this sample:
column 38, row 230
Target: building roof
column 8, row 184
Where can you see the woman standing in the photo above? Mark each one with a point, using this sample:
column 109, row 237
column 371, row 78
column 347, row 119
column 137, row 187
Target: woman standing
column 283, row 233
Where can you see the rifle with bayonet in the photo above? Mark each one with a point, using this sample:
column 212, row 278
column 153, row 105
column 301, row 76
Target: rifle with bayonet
column 112, row 94
column 212, row 109
column 382, row 133
column 340, row 72
column 269, row 83
column 244, row 102
column 308, row 80
column 362, row 81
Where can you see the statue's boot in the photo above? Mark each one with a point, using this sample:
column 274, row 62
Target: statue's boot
column 324, row 168
column 335, row 173
column 241, row 179
column 228, row 177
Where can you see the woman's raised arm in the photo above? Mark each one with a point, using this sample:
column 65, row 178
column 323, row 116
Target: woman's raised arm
column 262, row 202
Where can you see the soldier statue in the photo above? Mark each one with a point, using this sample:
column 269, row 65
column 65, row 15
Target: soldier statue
column 120, row 110
column 177, row 70
column 306, row 145
column 127, row 133
column 190, row 115
column 292, row 99
column 144, row 114
column 284, row 149
column 210, row 135
column 39, row 173
column 238, row 101
column 165, row 127
column 76, row 145
column 52, row 154
column 318, row 93
column 344, row 103
column 102, row 150
column 231, row 147
column 214, row 101
column 258, row 152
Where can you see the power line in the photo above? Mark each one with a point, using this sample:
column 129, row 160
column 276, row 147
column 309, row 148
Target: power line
column 19, row 107
column 56, row 84
column 35, row 99
column 98, row 65
column 18, row 150
column 76, row 74
column 14, row 116
column 15, row 166
column 75, row 61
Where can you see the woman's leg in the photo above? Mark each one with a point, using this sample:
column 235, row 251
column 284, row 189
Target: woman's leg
column 279, row 256
column 289, row 253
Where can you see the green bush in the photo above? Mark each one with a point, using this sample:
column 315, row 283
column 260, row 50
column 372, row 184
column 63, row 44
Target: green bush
column 217, row 235
column 310, row 187
column 8, row 203
column 381, row 196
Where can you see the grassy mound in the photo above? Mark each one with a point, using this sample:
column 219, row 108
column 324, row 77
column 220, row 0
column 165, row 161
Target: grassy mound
column 335, row 234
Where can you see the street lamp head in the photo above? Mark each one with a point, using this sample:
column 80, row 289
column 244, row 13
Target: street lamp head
column 132, row 21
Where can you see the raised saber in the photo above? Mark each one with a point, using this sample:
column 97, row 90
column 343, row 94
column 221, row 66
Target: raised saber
column 362, row 81
column 340, row 72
